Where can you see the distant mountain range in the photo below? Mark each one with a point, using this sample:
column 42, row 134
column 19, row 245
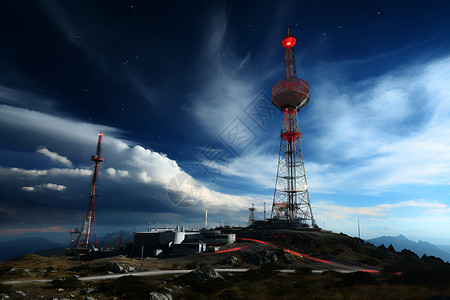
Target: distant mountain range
column 420, row 248
column 111, row 240
column 22, row 246
column 42, row 246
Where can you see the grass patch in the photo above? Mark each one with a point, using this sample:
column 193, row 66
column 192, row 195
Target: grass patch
column 89, row 269
column 5, row 288
column 68, row 283
column 130, row 287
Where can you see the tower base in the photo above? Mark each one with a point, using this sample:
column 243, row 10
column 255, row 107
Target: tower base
column 290, row 223
column 296, row 223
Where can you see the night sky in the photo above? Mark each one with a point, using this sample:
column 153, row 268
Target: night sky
column 181, row 92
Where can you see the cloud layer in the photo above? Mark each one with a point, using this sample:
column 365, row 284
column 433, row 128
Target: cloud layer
column 132, row 178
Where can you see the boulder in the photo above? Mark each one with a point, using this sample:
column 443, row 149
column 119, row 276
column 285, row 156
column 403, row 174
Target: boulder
column 263, row 257
column 231, row 261
column 160, row 296
column 23, row 294
column 116, row 268
column 203, row 274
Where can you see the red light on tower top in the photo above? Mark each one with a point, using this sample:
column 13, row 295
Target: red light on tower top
column 288, row 41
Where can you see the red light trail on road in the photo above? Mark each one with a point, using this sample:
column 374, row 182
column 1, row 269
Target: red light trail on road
column 228, row 250
column 301, row 255
column 369, row 271
column 258, row 241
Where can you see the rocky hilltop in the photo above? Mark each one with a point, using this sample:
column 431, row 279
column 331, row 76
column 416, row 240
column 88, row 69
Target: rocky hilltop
column 262, row 264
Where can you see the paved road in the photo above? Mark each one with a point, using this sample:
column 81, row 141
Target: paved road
column 156, row 273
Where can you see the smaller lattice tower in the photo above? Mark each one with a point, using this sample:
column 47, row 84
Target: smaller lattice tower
column 83, row 240
column 251, row 217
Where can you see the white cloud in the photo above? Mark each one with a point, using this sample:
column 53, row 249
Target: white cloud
column 44, row 186
column 25, row 172
column 54, row 156
column 117, row 173
column 49, row 172
column 146, row 171
column 144, row 177
column 70, row 172
column 28, row 188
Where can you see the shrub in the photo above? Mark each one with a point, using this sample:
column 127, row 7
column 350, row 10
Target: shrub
column 303, row 271
column 230, row 294
column 5, row 288
column 354, row 278
column 192, row 265
column 130, row 287
column 68, row 283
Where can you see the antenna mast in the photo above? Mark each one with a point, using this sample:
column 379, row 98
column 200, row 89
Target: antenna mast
column 89, row 219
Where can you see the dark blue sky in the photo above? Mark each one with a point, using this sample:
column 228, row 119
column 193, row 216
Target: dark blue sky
column 167, row 82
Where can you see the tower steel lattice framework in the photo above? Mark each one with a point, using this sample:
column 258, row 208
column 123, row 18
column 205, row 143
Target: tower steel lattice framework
column 291, row 198
column 83, row 239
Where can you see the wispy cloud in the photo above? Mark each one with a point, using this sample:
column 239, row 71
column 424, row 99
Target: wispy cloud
column 54, row 156
column 44, row 186
column 418, row 218
column 14, row 231
column 49, row 172
column 384, row 131
column 344, row 212
column 229, row 81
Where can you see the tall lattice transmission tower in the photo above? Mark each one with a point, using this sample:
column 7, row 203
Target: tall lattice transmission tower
column 83, row 241
column 291, row 205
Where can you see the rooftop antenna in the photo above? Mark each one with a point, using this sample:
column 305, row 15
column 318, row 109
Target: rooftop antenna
column 206, row 218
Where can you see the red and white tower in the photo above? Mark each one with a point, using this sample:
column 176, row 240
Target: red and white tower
column 291, row 205
column 89, row 219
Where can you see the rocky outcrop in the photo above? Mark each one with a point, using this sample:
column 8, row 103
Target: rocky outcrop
column 263, row 257
column 117, row 268
column 203, row 274
column 160, row 296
